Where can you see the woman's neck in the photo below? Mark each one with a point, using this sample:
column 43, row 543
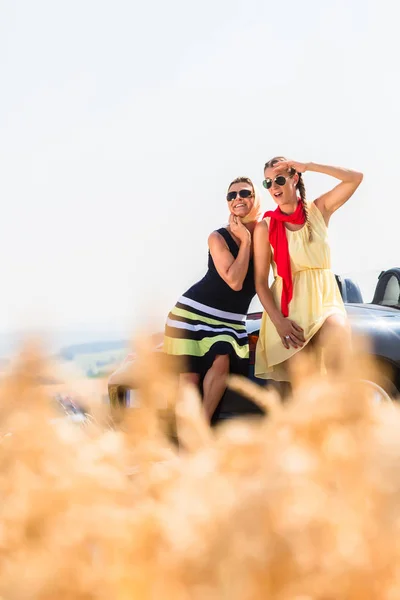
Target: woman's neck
column 250, row 226
column 289, row 208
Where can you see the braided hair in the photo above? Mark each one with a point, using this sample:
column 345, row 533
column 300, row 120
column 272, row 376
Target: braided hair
column 300, row 187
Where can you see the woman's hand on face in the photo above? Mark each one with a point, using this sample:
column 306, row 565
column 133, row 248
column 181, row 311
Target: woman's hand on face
column 290, row 333
column 299, row 167
column 238, row 229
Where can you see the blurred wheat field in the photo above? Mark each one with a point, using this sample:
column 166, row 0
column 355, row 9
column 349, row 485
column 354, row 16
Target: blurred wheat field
column 303, row 504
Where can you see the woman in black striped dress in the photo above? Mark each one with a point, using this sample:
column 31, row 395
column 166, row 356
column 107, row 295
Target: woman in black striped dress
column 206, row 329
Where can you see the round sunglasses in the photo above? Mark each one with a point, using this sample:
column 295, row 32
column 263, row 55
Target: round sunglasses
column 279, row 180
column 241, row 193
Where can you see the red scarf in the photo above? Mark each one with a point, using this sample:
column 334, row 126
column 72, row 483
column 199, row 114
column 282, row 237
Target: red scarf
column 278, row 241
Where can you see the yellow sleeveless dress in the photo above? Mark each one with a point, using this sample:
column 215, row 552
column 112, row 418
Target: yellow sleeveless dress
column 316, row 296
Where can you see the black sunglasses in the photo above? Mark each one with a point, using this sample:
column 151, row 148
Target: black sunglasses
column 241, row 193
column 279, row 180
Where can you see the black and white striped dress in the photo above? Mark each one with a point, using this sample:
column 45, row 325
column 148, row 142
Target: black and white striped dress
column 210, row 320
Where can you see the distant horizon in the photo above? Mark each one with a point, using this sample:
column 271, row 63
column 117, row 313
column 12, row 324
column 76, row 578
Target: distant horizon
column 57, row 338
column 11, row 343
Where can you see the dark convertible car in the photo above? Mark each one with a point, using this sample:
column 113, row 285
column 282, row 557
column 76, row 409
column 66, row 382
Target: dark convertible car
column 378, row 320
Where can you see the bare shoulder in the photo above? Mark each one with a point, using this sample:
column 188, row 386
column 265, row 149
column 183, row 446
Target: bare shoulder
column 216, row 240
column 261, row 231
column 261, row 226
column 318, row 205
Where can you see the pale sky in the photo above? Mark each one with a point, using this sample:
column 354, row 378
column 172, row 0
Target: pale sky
column 122, row 123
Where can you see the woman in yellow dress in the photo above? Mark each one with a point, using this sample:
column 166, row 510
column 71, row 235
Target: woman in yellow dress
column 304, row 300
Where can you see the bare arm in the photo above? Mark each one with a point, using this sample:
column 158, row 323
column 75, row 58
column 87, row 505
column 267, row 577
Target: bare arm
column 349, row 181
column 262, row 265
column 232, row 270
column 290, row 333
column 328, row 203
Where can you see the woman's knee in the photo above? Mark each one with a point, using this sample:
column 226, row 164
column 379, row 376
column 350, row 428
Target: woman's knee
column 335, row 329
column 221, row 364
column 336, row 342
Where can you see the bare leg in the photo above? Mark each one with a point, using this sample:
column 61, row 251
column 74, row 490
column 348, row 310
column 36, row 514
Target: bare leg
column 335, row 338
column 214, row 384
column 192, row 378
